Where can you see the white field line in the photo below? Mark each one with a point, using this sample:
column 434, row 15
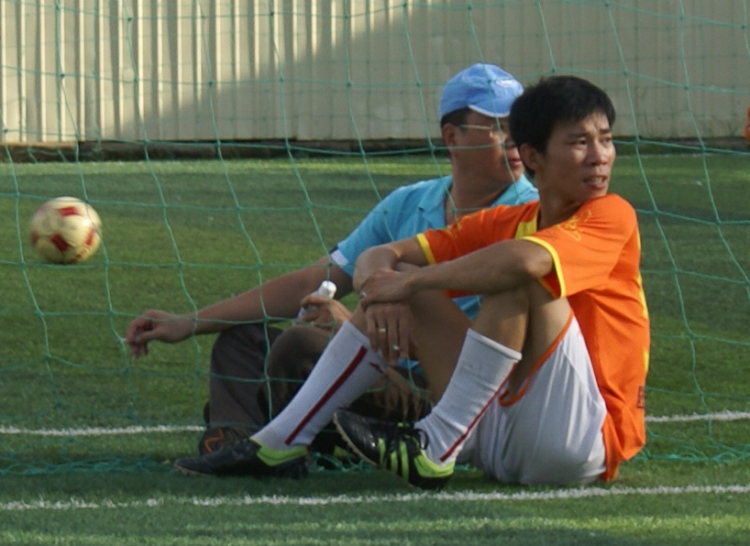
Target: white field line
column 719, row 416
column 280, row 500
column 98, row 431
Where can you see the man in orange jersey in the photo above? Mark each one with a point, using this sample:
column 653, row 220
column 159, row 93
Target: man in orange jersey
column 546, row 385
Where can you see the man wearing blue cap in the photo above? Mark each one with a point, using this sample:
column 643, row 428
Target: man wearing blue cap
column 256, row 367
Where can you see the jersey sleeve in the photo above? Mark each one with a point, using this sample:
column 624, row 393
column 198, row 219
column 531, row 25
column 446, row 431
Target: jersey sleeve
column 477, row 230
column 587, row 246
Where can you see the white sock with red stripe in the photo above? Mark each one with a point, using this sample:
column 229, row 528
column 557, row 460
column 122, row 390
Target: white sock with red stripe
column 345, row 370
column 482, row 368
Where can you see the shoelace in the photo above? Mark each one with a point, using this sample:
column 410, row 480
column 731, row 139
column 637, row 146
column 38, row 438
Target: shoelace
column 406, row 432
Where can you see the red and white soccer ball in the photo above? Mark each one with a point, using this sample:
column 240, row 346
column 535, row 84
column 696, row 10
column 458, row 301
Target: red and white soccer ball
column 65, row 230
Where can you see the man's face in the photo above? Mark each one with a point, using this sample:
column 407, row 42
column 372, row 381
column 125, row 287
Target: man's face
column 483, row 145
column 578, row 161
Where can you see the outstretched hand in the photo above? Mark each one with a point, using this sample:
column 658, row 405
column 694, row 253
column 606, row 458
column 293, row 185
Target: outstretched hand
column 159, row 325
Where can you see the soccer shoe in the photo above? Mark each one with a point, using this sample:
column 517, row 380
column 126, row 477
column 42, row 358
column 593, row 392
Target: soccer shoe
column 397, row 447
column 248, row 458
column 215, row 438
column 331, row 452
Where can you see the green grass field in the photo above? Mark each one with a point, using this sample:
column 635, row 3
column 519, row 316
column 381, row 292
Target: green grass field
column 85, row 431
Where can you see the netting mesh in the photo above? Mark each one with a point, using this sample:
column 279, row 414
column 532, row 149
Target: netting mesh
column 224, row 146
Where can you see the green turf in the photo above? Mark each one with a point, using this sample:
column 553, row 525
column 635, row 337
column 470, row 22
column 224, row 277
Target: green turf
column 180, row 235
column 372, row 508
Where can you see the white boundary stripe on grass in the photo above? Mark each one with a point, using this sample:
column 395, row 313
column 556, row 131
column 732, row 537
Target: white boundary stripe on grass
column 100, row 431
column 97, row 431
column 719, row 416
column 563, row 494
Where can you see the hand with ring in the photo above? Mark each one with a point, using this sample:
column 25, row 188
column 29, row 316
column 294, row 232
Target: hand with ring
column 388, row 329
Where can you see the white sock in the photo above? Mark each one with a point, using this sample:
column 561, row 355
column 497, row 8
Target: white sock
column 345, row 370
column 483, row 367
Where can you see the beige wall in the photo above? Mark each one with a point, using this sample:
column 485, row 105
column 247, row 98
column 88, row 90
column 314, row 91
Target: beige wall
column 185, row 70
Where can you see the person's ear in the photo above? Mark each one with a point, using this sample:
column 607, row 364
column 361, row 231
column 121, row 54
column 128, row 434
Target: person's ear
column 449, row 133
column 530, row 156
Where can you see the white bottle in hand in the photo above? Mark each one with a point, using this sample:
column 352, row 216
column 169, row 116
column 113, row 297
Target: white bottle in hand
column 327, row 289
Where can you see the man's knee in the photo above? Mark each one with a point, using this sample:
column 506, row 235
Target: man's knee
column 296, row 351
column 508, row 302
column 290, row 362
column 511, row 316
column 504, row 317
column 521, row 299
column 241, row 345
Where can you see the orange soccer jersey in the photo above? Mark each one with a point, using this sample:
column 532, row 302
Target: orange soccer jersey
column 596, row 253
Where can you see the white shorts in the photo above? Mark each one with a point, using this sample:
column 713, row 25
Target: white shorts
column 550, row 433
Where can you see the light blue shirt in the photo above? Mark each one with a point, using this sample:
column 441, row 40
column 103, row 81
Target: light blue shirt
column 410, row 210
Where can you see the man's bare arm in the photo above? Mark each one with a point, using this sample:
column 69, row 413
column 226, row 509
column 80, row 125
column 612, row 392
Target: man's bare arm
column 387, row 257
column 279, row 297
column 502, row 266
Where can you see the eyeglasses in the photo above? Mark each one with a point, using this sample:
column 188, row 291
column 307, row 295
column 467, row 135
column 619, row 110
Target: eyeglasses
column 493, row 130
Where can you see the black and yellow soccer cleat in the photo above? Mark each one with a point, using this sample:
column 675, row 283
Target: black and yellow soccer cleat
column 397, row 447
column 248, row 458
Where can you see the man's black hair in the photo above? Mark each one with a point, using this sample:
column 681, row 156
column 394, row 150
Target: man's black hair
column 553, row 100
column 457, row 117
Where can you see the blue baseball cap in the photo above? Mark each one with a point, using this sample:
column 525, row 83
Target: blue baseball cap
column 485, row 88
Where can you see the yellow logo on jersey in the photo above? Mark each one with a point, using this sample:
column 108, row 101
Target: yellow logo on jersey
column 571, row 225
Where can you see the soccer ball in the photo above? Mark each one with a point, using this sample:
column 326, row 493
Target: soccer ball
column 65, row 230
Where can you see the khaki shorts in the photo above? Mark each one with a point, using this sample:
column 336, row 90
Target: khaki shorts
column 551, row 433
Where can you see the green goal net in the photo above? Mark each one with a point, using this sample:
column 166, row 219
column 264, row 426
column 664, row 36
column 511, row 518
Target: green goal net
column 224, row 143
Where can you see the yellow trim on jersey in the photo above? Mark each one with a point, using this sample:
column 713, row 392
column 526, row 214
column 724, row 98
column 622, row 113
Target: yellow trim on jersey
column 525, row 229
column 642, row 296
column 557, row 269
column 425, row 246
column 641, row 293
